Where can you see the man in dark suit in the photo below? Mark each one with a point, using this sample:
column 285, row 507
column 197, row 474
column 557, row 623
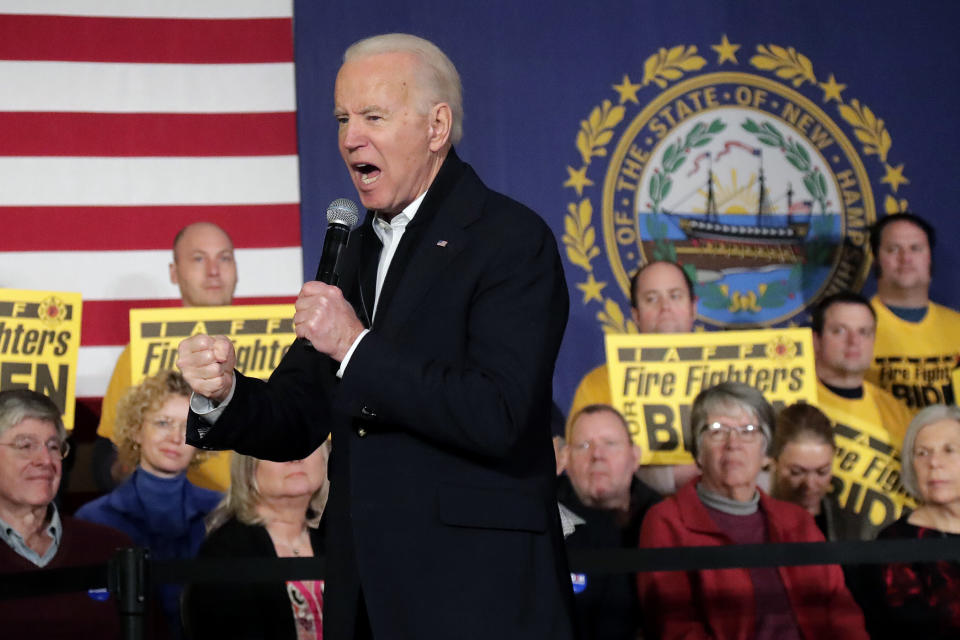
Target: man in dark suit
column 431, row 366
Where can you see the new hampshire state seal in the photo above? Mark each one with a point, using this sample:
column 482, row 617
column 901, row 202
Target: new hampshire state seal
column 755, row 174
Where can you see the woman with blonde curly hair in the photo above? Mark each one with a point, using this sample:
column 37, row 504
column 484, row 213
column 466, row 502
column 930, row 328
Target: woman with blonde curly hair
column 272, row 509
column 157, row 506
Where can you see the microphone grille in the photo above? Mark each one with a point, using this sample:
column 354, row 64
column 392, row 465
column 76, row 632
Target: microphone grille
column 343, row 211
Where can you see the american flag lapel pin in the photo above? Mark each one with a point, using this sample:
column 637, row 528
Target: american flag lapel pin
column 441, row 243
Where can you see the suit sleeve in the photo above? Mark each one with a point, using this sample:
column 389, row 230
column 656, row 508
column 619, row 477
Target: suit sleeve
column 483, row 403
column 285, row 419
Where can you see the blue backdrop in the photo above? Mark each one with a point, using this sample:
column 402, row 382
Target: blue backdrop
column 534, row 71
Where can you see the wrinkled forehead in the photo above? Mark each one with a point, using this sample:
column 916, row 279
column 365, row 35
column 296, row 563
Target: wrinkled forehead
column 382, row 77
column 903, row 232
column 729, row 412
column 661, row 277
column 599, row 425
column 849, row 313
column 41, row 429
column 203, row 237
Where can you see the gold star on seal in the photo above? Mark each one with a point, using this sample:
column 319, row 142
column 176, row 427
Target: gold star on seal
column 894, row 177
column 591, row 289
column 578, row 179
column 725, row 51
column 627, row 90
column 831, row 89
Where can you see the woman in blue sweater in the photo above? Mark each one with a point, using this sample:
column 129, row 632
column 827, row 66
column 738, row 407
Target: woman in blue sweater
column 157, row 507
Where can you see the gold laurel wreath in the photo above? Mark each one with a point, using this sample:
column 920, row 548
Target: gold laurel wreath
column 785, row 63
column 667, row 65
column 579, row 236
column 597, row 130
column 612, row 319
column 870, row 130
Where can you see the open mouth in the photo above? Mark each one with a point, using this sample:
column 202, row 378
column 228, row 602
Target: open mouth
column 368, row 172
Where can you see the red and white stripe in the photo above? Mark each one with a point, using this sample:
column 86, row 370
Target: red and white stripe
column 121, row 121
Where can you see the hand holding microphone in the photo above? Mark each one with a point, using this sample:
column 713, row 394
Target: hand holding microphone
column 323, row 317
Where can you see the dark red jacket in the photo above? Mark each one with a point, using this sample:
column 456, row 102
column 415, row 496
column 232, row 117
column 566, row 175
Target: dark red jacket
column 719, row 603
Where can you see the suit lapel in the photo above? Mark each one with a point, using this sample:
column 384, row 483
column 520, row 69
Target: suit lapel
column 370, row 247
column 453, row 202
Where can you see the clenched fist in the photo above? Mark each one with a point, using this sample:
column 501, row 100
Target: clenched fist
column 207, row 363
column 326, row 319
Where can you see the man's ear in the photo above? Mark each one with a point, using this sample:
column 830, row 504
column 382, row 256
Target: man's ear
column 635, row 315
column 441, row 123
column 637, row 454
column 173, row 274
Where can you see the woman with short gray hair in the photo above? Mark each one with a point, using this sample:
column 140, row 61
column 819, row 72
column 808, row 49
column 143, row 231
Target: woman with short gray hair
column 732, row 427
column 922, row 600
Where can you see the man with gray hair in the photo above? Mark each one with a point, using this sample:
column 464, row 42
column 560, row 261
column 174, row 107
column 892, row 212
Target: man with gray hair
column 33, row 533
column 431, row 364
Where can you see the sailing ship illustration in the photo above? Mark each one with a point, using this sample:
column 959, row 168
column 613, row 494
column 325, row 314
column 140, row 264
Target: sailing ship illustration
column 721, row 245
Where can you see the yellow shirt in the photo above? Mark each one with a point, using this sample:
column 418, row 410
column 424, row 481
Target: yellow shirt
column 914, row 361
column 593, row 389
column 866, row 485
column 213, row 473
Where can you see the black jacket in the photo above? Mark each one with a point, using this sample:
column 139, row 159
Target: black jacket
column 442, row 504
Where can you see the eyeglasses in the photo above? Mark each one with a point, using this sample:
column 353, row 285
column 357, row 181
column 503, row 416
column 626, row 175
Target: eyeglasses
column 600, row 445
column 28, row 448
column 717, row 432
column 167, row 425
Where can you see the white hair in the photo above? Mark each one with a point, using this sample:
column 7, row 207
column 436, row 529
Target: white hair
column 438, row 78
column 926, row 417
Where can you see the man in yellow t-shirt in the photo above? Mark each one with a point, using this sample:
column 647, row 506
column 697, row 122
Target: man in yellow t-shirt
column 662, row 300
column 918, row 341
column 203, row 268
column 868, row 423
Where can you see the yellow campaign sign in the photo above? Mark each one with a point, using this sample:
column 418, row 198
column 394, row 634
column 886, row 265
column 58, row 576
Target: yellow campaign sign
column 655, row 377
column 867, row 479
column 39, row 344
column 261, row 335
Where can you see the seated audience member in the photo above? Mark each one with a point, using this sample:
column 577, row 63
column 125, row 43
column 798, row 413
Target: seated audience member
column 272, row 509
column 731, row 423
column 35, row 535
column 803, row 450
column 609, row 503
column 157, row 506
column 922, row 600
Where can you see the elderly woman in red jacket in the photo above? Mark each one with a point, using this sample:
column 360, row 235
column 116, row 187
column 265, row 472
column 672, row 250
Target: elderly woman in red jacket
column 731, row 423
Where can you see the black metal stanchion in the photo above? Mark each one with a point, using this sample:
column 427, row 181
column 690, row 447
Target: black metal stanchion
column 128, row 580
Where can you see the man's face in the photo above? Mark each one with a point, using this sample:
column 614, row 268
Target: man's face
column 386, row 142
column 203, row 267
column 802, row 472
column 602, row 460
column 845, row 346
column 29, row 480
column 663, row 301
column 904, row 256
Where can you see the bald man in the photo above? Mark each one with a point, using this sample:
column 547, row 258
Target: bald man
column 205, row 271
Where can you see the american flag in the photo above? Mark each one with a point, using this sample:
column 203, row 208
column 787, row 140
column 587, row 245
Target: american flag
column 121, row 121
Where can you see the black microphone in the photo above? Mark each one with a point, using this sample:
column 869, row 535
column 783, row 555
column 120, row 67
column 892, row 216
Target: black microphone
column 341, row 216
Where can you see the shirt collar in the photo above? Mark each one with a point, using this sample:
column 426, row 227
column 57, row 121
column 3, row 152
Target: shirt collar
column 402, row 219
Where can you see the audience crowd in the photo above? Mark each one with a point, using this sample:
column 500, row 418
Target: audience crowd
column 758, row 477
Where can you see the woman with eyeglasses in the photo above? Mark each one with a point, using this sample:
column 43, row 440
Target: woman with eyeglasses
column 157, row 506
column 922, row 599
column 731, row 424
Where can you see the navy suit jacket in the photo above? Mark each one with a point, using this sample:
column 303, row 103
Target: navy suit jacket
column 442, row 505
